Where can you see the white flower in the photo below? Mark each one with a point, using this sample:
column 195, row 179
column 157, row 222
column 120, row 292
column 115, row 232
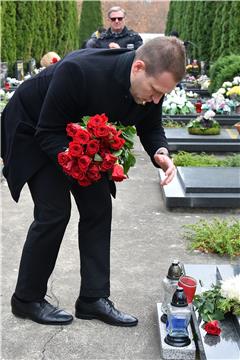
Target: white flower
column 227, row 84
column 221, row 91
column 236, row 80
column 209, row 114
column 230, row 288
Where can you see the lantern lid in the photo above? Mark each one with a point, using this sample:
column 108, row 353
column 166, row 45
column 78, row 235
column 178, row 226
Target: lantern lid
column 175, row 270
column 179, row 298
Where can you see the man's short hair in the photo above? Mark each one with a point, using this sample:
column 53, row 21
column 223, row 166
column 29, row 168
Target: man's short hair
column 114, row 9
column 163, row 53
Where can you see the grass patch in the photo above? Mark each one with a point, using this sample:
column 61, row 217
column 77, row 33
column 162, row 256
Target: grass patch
column 184, row 158
column 218, row 236
column 169, row 123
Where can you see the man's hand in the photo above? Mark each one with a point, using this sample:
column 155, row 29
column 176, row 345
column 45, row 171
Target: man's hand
column 167, row 166
column 113, row 45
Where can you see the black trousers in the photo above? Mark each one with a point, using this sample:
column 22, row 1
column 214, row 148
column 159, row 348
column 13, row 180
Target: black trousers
column 50, row 190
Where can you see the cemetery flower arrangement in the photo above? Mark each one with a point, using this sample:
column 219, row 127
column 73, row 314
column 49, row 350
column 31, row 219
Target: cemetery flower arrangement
column 177, row 103
column 214, row 304
column 219, row 103
column 234, row 93
column 97, row 147
column 193, row 68
column 204, row 124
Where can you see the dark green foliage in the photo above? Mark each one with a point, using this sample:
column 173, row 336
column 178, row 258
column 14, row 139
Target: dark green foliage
column 224, row 69
column 212, row 25
column 91, row 19
column 8, row 31
column 32, row 28
column 183, row 158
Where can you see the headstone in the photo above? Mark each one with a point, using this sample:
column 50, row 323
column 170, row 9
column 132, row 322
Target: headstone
column 19, row 70
column 31, row 66
column 199, row 191
column 3, row 72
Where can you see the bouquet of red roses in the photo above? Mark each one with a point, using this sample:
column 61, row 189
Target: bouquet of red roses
column 97, row 146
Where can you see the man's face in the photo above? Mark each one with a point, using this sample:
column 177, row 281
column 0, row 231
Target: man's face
column 145, row 88
column 117, row 21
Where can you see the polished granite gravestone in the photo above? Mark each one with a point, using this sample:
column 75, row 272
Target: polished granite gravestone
column 180, row 139
column 203, row 187
column 226, row 120
column 227, row 345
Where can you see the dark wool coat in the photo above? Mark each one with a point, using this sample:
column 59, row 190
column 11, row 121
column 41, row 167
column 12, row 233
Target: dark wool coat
column 85, row 82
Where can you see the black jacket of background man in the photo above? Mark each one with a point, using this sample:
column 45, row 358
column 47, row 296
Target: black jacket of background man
column 123, row 39
column 85, row 82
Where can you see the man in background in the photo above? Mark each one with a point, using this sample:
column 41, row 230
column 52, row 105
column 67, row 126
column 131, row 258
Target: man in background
column 117, row 35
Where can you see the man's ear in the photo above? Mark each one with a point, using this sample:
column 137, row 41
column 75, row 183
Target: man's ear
column 138, row 65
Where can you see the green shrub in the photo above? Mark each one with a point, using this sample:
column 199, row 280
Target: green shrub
column 224, row 69
column 184, row 158
column 169, row 123
column 218, row 236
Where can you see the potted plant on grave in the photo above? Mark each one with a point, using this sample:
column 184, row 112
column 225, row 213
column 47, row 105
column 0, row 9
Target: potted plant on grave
column 204, row 125
column 177, row 103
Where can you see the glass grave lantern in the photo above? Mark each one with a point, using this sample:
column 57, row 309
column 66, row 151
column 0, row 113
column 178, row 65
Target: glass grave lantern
column 178, row 318
column 170, row 283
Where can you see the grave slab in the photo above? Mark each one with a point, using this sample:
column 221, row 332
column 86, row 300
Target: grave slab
column 174, row 194
column 170, row 352
column 227, row 345
column 228, row 180
column 226, row 120
column 180, row 139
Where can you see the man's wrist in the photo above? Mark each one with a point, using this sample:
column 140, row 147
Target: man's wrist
column 163, row 151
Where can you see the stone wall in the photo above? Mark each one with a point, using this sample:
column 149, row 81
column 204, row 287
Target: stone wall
column 144, row 16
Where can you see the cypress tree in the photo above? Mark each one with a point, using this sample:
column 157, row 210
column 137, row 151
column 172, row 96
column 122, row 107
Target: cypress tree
column 217, row 31
column 169, row 23
column 205, row 34
column 8, row 34
column 91, row 19
column 224, row 48
column 234, row 30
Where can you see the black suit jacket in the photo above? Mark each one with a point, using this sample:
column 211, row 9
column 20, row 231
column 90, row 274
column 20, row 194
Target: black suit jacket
column 85, row 82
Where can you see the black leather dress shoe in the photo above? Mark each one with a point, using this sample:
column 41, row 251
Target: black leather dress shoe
column 41, row 312
column 103, row 309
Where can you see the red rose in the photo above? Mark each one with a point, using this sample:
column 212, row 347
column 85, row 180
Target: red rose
column 84, row 182
column 118, row 174
column 76, row 172
column 117, row 143
column 83, row 162
column 72, row 128
column 92, row 147
column 93, row 173
column 82, row 136
column 75, row 149
column 108, row 162
column 212, row 327
column 64, row 158
column 101, row 131
column 96, row 121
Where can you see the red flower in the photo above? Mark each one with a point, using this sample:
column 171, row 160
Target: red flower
column 108, row 162
column 83, row 162
column 101, row 131
column 93, row 173
column 212, row 327
column 84, row 182
column 82, row 136
column 118, row 174
column 96, row 120
column 92, row 147
column 54, row 60
column 64, row 158
column 76, row 172
column 7, row 86
column 117, row 143
column 72, row 128
column 75, row 149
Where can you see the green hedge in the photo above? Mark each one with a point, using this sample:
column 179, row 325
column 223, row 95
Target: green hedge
column 32, row 28
column 224, row 69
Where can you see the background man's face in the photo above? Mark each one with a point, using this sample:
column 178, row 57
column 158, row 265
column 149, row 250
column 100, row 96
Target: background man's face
column 117, row 21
